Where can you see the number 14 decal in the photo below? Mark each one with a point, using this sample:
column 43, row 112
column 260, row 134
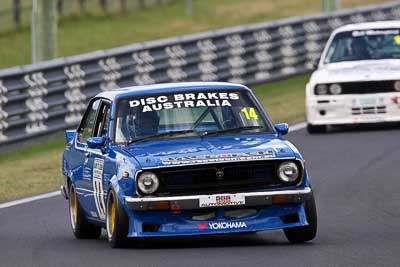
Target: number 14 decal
column 250, row 113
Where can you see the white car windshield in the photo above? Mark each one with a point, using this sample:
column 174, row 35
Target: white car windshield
column 364, row 45
column 189, row 112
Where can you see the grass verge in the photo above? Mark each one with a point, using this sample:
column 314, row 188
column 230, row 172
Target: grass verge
column 284, row 100
column 37, row 169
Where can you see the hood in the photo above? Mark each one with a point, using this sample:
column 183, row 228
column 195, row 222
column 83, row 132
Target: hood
column 365, row 70
column 197, row 150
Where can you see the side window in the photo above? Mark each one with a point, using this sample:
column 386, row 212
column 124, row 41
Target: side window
column 103, row 120
column 86, row 128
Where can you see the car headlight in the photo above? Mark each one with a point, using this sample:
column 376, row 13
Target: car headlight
column 335, row 89
column 147, row 182
column 321, row 89
column 288, row 171
column 397, row 86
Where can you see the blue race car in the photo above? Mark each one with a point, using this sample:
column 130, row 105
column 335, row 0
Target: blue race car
column 184, row 159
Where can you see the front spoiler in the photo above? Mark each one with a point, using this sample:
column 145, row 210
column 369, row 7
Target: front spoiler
column 264, row 198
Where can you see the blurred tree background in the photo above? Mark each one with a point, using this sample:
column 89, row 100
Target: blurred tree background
column 15, row 14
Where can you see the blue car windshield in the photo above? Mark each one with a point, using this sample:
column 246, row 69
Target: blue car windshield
column 188, row 112
column 364, row 45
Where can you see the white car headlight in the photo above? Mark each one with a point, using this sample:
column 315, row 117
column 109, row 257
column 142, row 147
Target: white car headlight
column 397, row 86
column 147, row 182
column 335, row 89
column 321, row 89
column 288, row 171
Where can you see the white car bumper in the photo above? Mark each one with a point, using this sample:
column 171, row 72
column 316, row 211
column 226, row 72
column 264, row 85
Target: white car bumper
column 350, row 108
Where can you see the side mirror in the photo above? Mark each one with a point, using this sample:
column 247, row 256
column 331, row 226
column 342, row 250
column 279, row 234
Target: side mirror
column 96, row 142
column 70, row 135
column 282, row 128
column 314, row 63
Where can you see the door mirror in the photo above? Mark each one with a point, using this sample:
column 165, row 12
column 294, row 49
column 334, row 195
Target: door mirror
column 282, row 128
column 70, row 135
column 96, row 142
column 314, row 63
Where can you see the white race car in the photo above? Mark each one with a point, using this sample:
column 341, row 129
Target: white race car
column 358, row 77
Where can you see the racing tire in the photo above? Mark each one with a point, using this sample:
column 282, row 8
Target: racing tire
column 302, row 234
column 81, row 228
column 314, row 129
column 117, row 224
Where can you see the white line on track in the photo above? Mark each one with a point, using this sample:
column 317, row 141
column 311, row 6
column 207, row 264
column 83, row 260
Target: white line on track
column 28, row 199
column 293, row 128
column 297, row 126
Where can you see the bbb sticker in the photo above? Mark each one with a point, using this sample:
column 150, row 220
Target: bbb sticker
column 221, row 201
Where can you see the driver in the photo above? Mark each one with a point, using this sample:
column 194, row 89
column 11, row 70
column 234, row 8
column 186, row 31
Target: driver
column 146, row 123
column 359, row 49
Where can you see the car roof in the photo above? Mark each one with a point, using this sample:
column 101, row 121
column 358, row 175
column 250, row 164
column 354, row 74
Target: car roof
column 389, row 24
column 169, row 87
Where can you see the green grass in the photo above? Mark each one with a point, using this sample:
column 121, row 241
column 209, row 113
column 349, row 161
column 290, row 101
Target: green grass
column 31, row 170
column 37, row 169
column 284, row 100
column 80, row 34
column 70, row 8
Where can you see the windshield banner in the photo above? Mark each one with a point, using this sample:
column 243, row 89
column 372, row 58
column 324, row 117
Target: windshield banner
column 375, row 32
column 188, row 100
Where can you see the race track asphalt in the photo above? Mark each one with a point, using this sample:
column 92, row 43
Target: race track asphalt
column 356, row 179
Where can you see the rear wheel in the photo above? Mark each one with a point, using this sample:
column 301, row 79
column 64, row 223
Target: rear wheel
column 304, row 233
column 312, row 129
column 80, row 226
column 117, row 221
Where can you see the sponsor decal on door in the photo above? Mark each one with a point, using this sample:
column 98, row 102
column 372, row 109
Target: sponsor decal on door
column 98, row 167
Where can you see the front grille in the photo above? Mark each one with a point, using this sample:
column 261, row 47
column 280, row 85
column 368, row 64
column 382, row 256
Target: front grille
column 370, row 87
column 369, row 110
column 203, row 179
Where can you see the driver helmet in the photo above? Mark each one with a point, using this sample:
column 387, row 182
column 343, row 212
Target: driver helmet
column 146, row 123
column 359, row 48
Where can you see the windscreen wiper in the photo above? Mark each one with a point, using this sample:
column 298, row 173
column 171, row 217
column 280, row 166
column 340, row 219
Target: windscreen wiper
column 165, row 134
column 237, row 129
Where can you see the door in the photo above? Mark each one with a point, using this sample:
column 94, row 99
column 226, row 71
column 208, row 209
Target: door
column 99, row 164
column 83, row 179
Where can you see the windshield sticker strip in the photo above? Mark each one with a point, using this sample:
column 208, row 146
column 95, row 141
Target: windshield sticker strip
column 189, row 100
column 375, row 32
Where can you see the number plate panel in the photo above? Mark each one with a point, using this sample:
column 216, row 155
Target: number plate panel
column 221, row 200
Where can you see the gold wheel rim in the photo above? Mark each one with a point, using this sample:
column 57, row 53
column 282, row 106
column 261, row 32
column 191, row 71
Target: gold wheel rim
column 73, row 207
column 111, row 215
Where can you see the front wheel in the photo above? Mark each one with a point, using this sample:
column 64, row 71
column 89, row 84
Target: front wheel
column 81, row 228
column 117, row 221
column 304, row 233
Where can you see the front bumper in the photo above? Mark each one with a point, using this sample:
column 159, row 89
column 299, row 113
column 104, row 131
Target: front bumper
column 248, row 199
column 353, row 109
